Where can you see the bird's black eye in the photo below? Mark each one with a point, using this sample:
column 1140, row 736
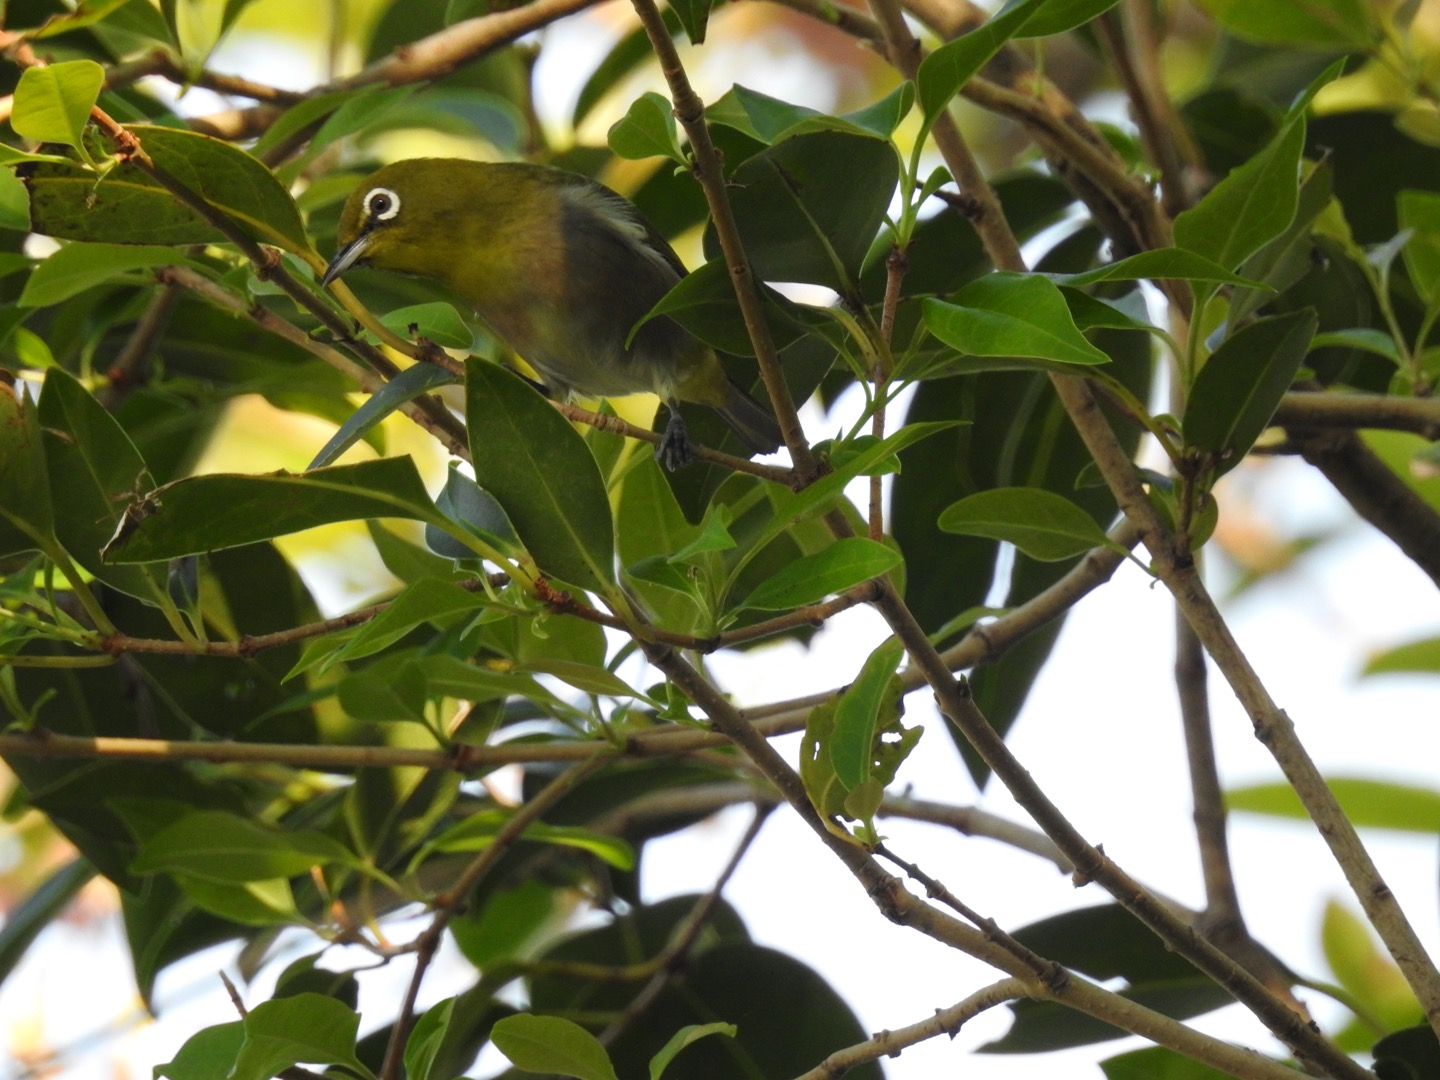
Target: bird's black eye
column 381, row 204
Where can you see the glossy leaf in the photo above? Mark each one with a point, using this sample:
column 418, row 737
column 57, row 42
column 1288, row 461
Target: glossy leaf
column 552, row 1044
column 1257, row 201
column 414, row 381
column 843, row 564
column 1378, row 804
column 647, row 130
column 1022, row 315
column 951, row 66
column 1241, row 384
column 127, row 206
column 540, row 471
column 53, row 103
column 1044, row 525
column 223, row 510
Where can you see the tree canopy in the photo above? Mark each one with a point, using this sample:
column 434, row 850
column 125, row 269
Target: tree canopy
column 1042, row 274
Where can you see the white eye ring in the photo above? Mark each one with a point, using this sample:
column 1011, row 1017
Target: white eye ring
column 381, row 204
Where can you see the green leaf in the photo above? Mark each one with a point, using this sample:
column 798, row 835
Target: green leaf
column 206, row 1055
column 95, row 469
column 437, row 321
column 796, row 222
column 27, row 519
column 127, row 206
column 77, row 267
column 541, row 472
column 1058, row 16
column 1042, row 524
column 586, row 677
column 414, row 381
column 809, row 579
column 852, row 742
column 426, row 1038
column 479, row 830
column 647, row 130
column 1423, row 655
column 1004, row 314
column 1241, row 384
column 427, row 601
column 951, row 66
column 1364, row 969
column 53, row 103
column 47, row 901
column 704, row 303
column 1256, row 202
column 552, row 1044
column 884, row 116
column 290, row 1030
column 1365, row 338
column 1321, row 24
column 1419, row 211
column 86, row 13
column 791, row 507
column 1377, row 804
column 216, row 846
column 683, row 1038
column 694, row 15
column 1157, row 1063
column 222, row 510
column 250, row 903
column 1156, row 265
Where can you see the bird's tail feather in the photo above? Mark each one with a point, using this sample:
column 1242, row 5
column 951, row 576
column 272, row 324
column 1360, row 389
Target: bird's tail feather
column 751, row 421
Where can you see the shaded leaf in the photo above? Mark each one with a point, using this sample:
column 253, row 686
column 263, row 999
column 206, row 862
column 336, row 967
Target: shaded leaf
column 414, row 381
column 647, row 130
column 951, row 66
column 1044, row 525
column 541, row 472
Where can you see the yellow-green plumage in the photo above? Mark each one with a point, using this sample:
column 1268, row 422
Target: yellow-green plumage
column 560, row 268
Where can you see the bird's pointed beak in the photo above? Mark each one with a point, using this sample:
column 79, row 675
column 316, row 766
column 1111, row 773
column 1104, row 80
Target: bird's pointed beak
column 346, row 257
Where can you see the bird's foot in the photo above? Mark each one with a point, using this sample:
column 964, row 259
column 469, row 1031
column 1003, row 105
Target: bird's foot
column 675, row 450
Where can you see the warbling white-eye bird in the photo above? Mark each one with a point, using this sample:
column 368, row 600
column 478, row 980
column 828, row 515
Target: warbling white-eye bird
column 561, row 269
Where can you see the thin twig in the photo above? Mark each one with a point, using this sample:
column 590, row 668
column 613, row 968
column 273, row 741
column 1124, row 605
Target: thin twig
column 944, row 1022
column 449, row 904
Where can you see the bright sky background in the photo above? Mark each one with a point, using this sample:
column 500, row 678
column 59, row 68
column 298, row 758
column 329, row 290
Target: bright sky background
column 1100, row 733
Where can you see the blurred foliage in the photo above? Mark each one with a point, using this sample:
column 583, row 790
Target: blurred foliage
column 159, row 266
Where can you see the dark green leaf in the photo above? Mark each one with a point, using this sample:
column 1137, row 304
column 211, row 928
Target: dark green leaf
column 1058, row 16
column 1241, row 384
column 1021, row 315
column 694, row 15
column 127, row 206
column 26, row 516
column 223, row 510
column 45, row 903
column 407, row 386
column 541, row 472
column 552, row 1044
column 1044, row 525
